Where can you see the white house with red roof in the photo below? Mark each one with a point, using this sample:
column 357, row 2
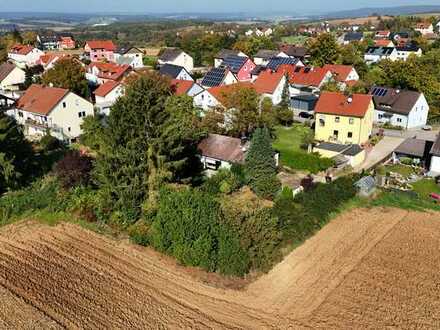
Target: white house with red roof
column 48, row 60
column 344, row 75
column 11, row 77
column 383, row 34
column 271, row 84
column 307, row 80
column 99, row 73
column 24, row 55
column 67, row 43
column 216, row 96
column 99, row 50
column 107, row 94
column 424, row 28
column 57, row 110
column 185, row 87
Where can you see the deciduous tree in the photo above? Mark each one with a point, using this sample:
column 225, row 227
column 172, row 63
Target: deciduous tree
column 68, row 73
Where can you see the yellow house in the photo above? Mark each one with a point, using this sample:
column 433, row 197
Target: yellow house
column 344, row 119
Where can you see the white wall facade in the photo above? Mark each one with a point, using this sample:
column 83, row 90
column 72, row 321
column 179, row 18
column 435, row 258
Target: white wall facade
column 183, row 60
column 14, row 78
column 417, row 117
column 205, row 100
column 64, row 120
column 194, row 90
column 105, row 103
column 403, row 55
column 435, row 165
column 29, row 59
column 184, row 75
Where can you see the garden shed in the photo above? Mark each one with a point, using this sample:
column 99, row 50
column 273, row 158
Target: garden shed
column 366, row 186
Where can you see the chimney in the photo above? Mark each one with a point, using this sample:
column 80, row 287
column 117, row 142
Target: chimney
column 397, row 91
column 349, row 100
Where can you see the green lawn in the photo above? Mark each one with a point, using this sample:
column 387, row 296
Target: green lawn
column 295, row 40
column 425, row 187
column 288, row 143
column 404, row 170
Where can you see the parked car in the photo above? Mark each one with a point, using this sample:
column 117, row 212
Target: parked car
column 305, row 115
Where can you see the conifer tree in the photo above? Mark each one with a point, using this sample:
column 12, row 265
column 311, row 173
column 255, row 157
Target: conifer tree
column 283, row 112
column 16, row 155
column 146, row 128
column 260, row 166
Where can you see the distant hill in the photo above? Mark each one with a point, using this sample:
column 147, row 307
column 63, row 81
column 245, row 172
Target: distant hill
column 392, row 11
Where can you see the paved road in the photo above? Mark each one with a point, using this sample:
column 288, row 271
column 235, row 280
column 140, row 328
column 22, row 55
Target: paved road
column 380, row 152
column 418, row 133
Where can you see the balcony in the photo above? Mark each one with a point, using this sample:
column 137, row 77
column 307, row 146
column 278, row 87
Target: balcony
column 52, row 127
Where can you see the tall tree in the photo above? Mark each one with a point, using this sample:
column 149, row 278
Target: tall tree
column 68, row 73
column 324, row 50
column 283, row 112
column 260, row 165
column 245, row 111
column 16, row 155
column 145, row 134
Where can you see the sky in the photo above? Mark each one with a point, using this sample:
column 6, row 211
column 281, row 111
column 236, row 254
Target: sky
column 180, row 6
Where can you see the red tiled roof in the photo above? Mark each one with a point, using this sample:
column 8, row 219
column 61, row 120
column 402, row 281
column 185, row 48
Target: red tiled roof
column 41, row 99
column 306, row 76
column 21, row 49
column 268, row 81
column 383, row 33
column 106, row 88
column 382, row 42
column 339, row 71
column 110, row 71
column 48, row 58
column 101, row 44
column 423, row 25
column 181, row 87
column 339, row 104
column 220, row 92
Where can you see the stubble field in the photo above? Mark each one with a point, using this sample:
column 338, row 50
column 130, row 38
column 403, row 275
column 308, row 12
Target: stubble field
column 367, row 269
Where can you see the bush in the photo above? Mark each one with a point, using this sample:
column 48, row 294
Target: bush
column 44, row 194
column 139, row 233
column 301, row 216
column 187, row 227
column 225, row 181
column 406, row 160
column 73, row 170
column 50, row 143
column 253, row 222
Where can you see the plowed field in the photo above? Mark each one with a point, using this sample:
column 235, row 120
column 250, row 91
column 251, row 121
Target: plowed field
column 366, row 269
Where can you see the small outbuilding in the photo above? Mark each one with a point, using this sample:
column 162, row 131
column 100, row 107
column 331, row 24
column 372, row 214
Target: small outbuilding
column 366, row 186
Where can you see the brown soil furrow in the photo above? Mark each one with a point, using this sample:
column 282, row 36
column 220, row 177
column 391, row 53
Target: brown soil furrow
column 367, row 269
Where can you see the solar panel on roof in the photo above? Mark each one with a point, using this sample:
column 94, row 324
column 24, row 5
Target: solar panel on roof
column 234, row 63
column 275, row 62
column 383, row 92
column 214, row 77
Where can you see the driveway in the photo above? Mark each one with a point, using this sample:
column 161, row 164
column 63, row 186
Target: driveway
column 380, row 152
column 409, row 134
